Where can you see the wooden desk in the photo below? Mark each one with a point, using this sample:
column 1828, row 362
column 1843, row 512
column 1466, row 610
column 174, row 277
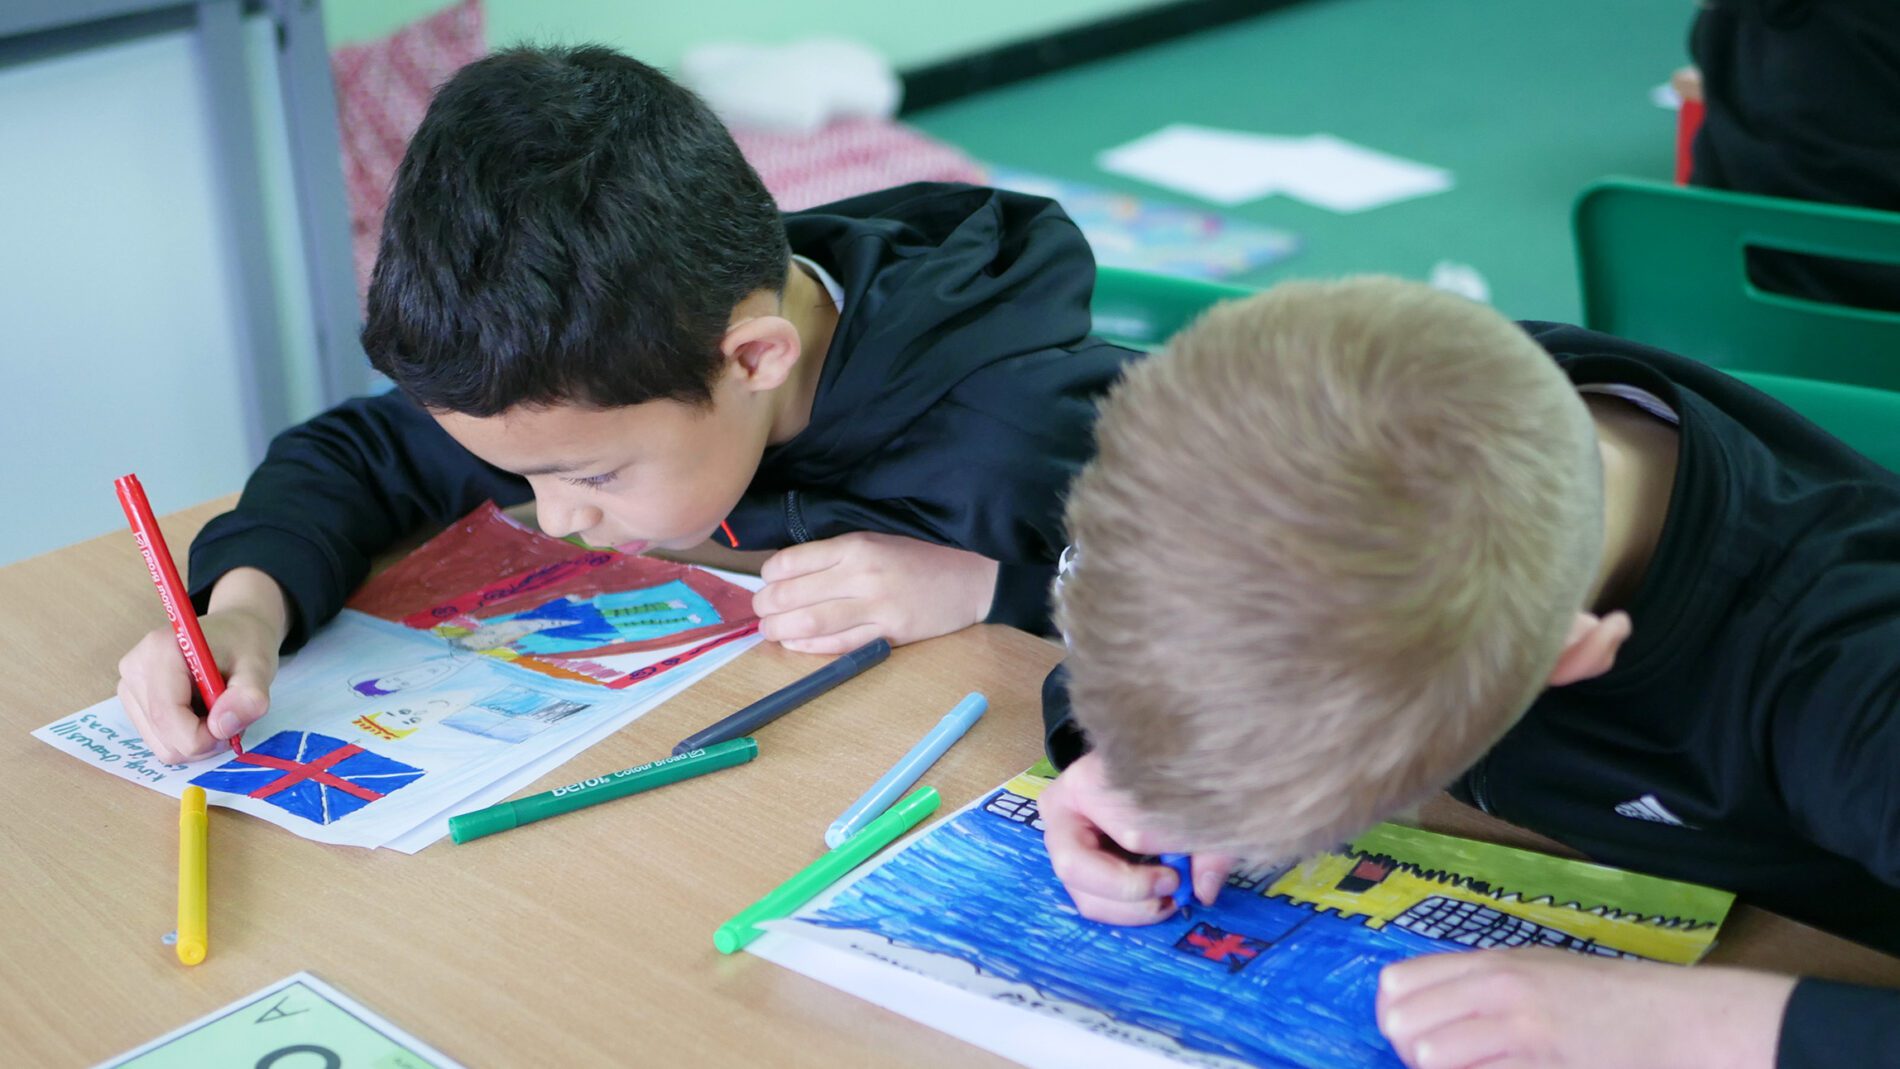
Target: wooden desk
column 586, row 940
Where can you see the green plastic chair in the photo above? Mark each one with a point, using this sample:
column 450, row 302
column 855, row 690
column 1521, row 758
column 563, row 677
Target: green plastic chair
column 1665, row 265
column 1142, row 311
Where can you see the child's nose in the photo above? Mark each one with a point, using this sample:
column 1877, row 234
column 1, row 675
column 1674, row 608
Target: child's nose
column 560, row 518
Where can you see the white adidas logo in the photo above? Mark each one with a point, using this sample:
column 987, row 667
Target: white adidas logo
column 1648, row 808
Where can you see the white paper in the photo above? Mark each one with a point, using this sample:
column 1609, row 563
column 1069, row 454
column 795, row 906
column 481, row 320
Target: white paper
column 1223, row 166
column 457, row 726
column 1331, row 173
column 1233, row 166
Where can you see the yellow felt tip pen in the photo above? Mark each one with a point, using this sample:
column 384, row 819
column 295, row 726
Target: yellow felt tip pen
column 192, row 830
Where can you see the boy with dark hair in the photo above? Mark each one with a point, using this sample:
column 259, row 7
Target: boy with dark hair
column 585, row 296
column 1345, row 544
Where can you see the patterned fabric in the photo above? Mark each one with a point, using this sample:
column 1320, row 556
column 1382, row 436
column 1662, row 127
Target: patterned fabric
column 382, row 89
column 849, row 157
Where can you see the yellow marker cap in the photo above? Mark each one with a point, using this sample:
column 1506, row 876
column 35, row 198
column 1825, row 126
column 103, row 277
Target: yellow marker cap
column 192, row 829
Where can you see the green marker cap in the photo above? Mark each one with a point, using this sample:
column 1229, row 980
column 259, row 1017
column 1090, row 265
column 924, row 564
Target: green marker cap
column 506, row 815
column 811, row 881
column 466, row 826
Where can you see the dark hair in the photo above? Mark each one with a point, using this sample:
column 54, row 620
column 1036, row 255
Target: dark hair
column 568, row 225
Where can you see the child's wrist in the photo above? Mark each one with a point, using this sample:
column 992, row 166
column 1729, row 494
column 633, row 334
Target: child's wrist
column 253, row 593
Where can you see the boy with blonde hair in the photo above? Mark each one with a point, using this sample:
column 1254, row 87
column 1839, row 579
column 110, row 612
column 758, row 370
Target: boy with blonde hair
column 1340, row 537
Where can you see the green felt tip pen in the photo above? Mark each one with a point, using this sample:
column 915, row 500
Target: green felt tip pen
column 599, row 789
column 787, row 897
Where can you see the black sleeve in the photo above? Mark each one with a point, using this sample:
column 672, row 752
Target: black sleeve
column 1835, row 744
column 1828, row 1025
column 334, row 492
column 987, row 470
column 1061, row 737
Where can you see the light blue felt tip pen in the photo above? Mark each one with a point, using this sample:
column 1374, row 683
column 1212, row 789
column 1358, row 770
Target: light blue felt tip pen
column 886, row 791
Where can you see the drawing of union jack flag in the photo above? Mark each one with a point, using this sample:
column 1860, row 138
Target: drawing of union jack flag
column 314, row 776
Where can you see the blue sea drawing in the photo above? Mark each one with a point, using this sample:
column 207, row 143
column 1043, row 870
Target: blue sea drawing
column 319, row 778
column 1263, row 980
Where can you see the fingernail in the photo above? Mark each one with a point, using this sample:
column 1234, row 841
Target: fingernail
column 223, row 725
column 1206, row 886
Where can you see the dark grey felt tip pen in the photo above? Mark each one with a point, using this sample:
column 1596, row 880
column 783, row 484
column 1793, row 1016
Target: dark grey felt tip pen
column 778, row 703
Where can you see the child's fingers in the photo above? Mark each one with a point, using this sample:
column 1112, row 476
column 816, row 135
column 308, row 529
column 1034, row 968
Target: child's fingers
column 1116, row 911
column 1076, row 854
column 815, row 621
column 1210, row 873
column 173, row 732
column 801, row 559
column 1402, row 978
column 1462, row 1044
column 812, row 588
column 842, row 642
column 1429, row 1009
column 246, row 696
column 155, row 688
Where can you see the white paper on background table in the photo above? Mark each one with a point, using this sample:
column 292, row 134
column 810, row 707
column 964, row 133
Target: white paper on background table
column 1233, row 166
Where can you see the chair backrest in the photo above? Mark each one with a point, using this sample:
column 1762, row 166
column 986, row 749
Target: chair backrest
column 1143, row 311
column 1666, row 265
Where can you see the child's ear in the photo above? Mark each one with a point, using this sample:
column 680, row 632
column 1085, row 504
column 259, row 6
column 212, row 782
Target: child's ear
column 761, row 351
column 1591, row 648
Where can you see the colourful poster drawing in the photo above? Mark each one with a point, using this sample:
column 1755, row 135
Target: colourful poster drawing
column 492, row 587
column 1281, row 972
column 314, row 776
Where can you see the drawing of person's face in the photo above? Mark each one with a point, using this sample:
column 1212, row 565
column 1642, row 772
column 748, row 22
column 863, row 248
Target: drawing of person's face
column 407, row 677
column 403, row 720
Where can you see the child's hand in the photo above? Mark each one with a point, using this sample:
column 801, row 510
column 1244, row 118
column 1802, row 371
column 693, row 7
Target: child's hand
column 1091, row 830
column 834, row 595
column 245, row 627
column 1551, row 1008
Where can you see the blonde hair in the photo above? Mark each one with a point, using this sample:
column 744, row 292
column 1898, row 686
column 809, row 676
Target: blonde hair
column 1329, row 550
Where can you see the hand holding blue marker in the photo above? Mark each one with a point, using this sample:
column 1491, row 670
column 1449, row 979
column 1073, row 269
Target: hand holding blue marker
column 1183, row 866
column 886, row 791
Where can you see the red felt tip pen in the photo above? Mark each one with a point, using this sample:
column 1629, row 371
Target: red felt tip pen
column 171, row 593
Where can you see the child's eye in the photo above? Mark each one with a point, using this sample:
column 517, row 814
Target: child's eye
column 593, row 480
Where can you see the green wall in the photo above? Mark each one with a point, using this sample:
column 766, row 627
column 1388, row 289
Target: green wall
column 909, row 33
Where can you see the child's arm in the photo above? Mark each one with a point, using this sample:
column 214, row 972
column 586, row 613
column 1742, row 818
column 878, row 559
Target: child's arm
column 1554, row 1008
column 336, row 491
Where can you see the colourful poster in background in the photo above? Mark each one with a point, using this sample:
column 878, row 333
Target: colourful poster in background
column 967, row 929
